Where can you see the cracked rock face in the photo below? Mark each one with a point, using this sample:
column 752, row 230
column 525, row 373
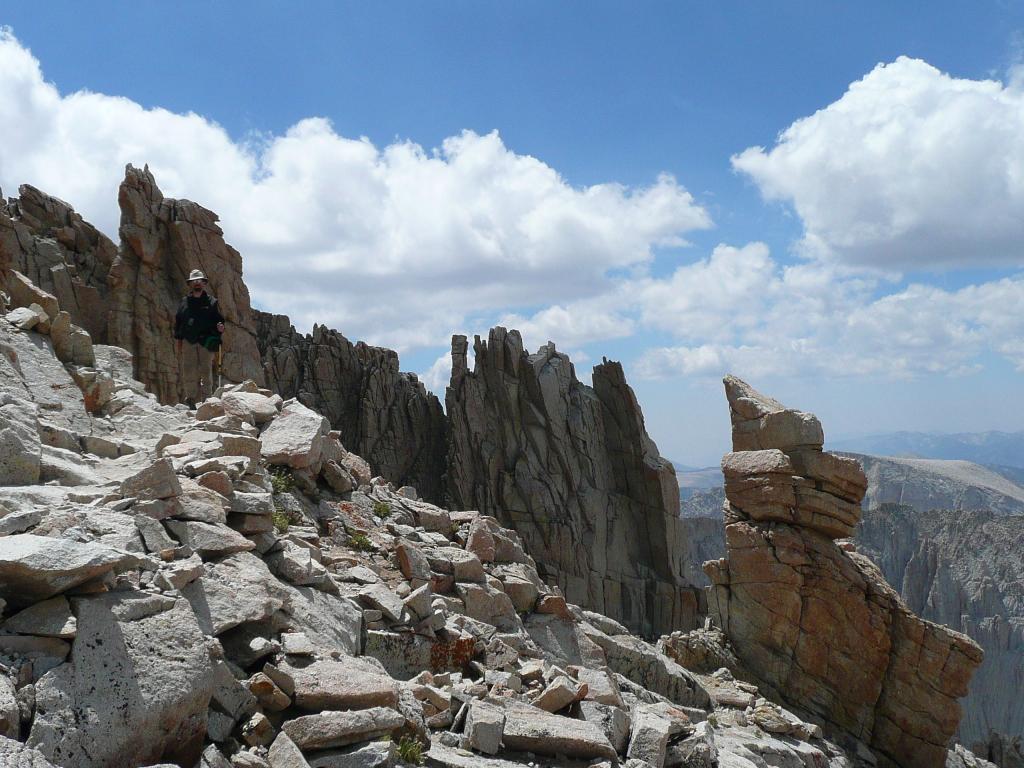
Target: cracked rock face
column 981, row 595
column 813, row 621
column 162, row 241
column 572, row 469
column 385, row 416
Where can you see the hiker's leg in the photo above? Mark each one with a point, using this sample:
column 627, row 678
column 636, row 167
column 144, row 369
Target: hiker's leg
column 190, row 371
column 204, row 387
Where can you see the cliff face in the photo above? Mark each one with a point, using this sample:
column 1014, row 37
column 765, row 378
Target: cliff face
column 815, row 621
column 43, row 238
column 572, row 469
column 965, row 570
column 162, row 240
column 384, row 415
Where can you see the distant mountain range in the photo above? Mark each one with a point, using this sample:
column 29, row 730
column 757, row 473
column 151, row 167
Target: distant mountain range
column 923, row 484
column 927, row 484
column 1002, row 449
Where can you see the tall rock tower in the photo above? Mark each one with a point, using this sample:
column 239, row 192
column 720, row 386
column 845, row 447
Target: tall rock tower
column 811, row 618
column 573, row 470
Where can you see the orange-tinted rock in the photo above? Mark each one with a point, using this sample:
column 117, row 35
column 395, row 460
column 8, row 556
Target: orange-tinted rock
column 815, row 622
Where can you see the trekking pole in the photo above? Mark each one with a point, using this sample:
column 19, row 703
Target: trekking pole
column 220, row 366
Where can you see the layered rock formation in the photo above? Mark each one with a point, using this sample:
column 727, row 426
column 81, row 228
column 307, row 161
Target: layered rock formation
column 965, row 570
column 815, row 622
column 385, row 415
column 572, row 469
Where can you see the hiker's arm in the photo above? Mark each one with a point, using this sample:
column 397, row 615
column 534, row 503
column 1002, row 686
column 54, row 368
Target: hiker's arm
column 179, row 318
column 218, row 315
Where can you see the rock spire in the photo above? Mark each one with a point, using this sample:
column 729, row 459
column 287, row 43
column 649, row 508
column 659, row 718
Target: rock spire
column 811, row 618
column 572, row 469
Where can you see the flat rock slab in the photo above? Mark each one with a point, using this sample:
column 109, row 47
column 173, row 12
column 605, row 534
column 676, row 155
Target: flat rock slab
column 529, row 729
column 351, row 683
column 295, row 438
column 157, row 481
column 136, row 690
column 209, row 539
column 235, row 590
column 339, row 729
column 441, row 756
column 50, row 618
column 34, row 568
column 376, row 754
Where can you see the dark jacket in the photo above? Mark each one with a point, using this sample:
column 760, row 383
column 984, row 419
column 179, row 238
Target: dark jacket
column 197, row 319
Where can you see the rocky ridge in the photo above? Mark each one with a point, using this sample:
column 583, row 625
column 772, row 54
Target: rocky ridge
column 814, row 621
column 232, row 587
column 572, row 469
column 127, row 294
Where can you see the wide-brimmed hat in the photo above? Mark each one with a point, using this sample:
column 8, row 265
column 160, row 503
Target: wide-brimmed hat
column 196, row 274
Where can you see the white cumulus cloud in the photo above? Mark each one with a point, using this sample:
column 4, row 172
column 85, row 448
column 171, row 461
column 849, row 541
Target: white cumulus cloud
column 814, row 320
column 396, row 245
column 910, row 169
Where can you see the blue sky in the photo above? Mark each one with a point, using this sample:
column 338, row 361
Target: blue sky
column 867, row 267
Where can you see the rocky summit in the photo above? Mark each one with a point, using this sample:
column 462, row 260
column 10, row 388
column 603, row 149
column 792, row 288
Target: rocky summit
column 239, row 586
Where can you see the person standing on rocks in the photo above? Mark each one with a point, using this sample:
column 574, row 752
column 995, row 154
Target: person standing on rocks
column 197, row 330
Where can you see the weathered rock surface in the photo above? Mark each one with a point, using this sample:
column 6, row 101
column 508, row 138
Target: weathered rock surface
column 571, row 469
column 965, row 570
column 815, row 623
column 14, row 754
column 140, row 666
column 356, row 611
column 336, row 729
column 385, row 416
column 33, row 568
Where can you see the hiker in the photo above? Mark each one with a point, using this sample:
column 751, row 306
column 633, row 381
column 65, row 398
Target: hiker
column 197, row 329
